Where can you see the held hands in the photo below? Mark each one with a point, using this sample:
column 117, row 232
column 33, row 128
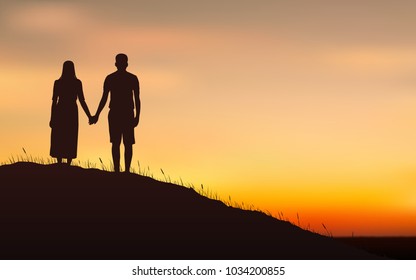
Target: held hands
column 93, row 119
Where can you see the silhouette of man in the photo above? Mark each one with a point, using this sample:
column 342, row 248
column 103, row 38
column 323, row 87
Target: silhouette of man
column 124, row 92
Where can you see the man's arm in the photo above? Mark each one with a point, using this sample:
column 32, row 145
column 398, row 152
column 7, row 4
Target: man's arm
column 136, row 91
column 101, row 105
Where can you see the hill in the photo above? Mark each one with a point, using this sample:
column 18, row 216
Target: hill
column 55, row 212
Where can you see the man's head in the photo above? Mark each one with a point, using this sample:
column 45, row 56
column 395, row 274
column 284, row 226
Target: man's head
column 121, row 61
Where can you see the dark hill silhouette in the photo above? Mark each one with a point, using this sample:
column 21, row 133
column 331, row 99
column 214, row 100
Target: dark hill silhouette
column 55, row 212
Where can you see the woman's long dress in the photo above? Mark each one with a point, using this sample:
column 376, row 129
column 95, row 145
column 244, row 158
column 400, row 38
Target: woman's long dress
column 64, row 135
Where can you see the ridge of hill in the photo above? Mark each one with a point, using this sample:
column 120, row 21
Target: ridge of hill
column 68, row 212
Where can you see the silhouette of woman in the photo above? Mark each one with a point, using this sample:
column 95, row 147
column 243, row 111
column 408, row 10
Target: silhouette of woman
column 64, row 114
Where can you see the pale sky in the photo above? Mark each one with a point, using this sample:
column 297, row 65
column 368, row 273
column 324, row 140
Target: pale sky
column 300, row 107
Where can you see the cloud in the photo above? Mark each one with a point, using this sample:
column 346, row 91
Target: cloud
column 78, row 29
column 372, row 59
column 46, row 18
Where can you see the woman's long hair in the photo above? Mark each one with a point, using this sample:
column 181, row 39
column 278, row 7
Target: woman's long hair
column 68, row 70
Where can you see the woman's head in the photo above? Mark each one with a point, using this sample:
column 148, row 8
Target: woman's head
column 68, row 70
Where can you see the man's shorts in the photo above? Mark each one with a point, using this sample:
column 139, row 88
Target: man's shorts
column 121, row 125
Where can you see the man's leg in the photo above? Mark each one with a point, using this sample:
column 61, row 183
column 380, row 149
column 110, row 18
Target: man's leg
column 115, row 149
column 115, row 139
column 128, row 154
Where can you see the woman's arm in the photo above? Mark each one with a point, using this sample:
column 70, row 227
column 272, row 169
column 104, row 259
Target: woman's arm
column 82, row 102
column 85, row 107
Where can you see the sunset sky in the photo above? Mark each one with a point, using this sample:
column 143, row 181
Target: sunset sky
column 298, row 107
